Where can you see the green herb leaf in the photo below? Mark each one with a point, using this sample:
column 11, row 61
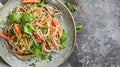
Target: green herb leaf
column 48, row 39
column 70, row 7
column 14, row 18
column 27, row 17
column 36, row 50
column 44, row 1
column 79, row 28
column 27, row 28
column 64, row 37
column 63, row 45
column 27, row 53
column 67, row 4
column 43, row 56
column 72, row 10
column 33, row 64
column 50, row 57
column 41, row 4
column 44, row 30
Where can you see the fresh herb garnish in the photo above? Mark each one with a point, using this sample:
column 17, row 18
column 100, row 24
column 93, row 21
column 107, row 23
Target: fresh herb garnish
column 27, row 18
column 27, row 28
column 64, row 37
column 67, row 4
column 14, row 18
column 50, row 57
column 63, row 45
column 43, row 56
column 44, row 30
column 70, row 7
column 42, row 3
column 79, row 28
column 33, row 64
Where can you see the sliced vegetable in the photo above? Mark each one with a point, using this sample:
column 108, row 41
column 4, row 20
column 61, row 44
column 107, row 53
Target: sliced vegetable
column 54, row 23
column 37, row 36
column 19, row 52
column 27, row 29
column 79, row 28
column 18, row 30
column 14, row 18
column 13, row 37
column 27, row 18
column 4, row 36
column 64, row 37
column 30, row 1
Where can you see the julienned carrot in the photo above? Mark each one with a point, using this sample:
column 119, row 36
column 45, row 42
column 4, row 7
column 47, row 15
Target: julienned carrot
column 54, row 22
column 31, row 1
column 12, row 37
column 3, row 36
column 19, row 52
column 18, row 30
column 59, row 32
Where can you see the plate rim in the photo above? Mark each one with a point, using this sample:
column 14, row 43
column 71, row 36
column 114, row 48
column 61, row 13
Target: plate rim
column 73, row 46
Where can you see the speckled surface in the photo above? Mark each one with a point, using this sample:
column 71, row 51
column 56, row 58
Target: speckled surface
column 98, row 44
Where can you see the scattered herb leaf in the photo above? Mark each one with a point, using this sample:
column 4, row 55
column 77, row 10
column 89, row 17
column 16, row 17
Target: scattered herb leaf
column 50, row 57
column 64, row 37
column 79, row 28
column 33, row 64
column 63, row 45
column 70, row 7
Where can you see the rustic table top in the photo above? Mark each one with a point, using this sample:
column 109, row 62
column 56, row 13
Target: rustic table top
column 98, row 44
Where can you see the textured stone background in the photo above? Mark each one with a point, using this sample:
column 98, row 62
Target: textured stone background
column 98, row 44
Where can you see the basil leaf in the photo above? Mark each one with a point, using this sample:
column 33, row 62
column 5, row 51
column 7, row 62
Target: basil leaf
column 79, row 28
column 64, row 37
column 36, row 51
column 27, row 17
column 27, row 29
column 14, row 17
